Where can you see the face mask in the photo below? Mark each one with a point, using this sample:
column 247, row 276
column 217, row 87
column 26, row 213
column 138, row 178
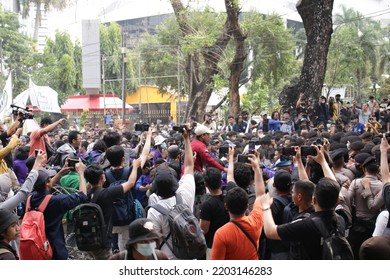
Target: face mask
column 163, row 146
column 146, row 249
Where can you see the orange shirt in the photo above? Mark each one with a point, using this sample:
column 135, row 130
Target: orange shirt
column 230, row 243
column 36, row 142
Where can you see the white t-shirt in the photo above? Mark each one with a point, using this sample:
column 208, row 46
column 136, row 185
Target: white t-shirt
column 187, row 192
column 381, row 224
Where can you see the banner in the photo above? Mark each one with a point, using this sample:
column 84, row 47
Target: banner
column 6, row 99
column 44, row 98
column 21, row 99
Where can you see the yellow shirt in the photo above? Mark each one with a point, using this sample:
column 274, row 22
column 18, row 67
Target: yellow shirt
column 5, row 151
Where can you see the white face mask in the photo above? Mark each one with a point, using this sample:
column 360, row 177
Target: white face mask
column 163, row 146
column 146, row 249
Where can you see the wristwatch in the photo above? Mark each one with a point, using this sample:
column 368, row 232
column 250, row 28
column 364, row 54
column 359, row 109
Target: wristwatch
column 266, row 208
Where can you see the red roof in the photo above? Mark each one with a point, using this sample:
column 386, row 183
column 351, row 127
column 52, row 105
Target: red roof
column 94, row 102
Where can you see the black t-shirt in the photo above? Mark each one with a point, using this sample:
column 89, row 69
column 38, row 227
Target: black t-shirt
column 213, row 210
column 277, row 209
column 295, row 246
column 305, row 232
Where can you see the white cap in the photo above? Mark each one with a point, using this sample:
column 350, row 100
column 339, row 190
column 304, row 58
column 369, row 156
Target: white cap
column 202, row 129
column 158, row 140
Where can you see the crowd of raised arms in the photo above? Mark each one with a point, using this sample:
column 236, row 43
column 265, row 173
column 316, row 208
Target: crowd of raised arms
column 313, row 184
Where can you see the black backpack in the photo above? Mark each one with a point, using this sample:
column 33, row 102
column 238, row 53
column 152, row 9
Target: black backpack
column 89, row 226
column 188, row 241
column 123, row 209
column 334, row 244
column 55, row 159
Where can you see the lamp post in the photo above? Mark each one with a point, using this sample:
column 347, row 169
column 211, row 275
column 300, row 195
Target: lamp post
column 374, row 87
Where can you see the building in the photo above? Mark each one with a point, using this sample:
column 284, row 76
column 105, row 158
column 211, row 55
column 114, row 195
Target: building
column 151, row 106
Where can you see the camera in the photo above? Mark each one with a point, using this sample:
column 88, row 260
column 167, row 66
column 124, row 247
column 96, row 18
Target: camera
column 243, row 158
column 319, row 141
column 23, row 113
column 141, row 127
column 179, row 129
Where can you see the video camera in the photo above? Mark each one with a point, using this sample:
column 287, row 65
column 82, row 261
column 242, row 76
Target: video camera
column 179, row 128
column 23, row 113
column 141, row 127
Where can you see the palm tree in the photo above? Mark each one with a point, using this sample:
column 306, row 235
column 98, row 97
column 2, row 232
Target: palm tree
column 24, row 8
column 366, row 40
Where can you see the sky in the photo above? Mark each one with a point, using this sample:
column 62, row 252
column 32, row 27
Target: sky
column 70, row 19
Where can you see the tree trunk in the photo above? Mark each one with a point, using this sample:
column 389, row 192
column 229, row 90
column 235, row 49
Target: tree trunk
column 201, row 84
column 239, row 57
column 317, row 20
column 37, row 23
column 358, row 83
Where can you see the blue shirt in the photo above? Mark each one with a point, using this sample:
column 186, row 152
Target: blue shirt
column 359, row 128
column 273, row 125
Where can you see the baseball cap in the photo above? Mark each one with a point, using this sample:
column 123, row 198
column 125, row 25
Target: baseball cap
column 202, row 129
column 165, row 183
column 43, row 175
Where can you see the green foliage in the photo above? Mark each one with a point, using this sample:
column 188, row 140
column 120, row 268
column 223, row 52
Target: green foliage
column 111, row 46
column 60, row 66
column 272, row 45
column 18, row 51
column 358, row 53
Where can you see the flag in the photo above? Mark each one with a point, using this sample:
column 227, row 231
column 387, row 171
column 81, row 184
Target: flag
column 44, row 98
column 6, row 99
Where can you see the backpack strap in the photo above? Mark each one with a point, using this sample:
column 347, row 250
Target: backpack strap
column 41, row 206
column 44, row 203
column 179, row 199
column 163, row 210
column 160, row 209
column 319, row 224
column 111, row 178
column 246, row 234
column 282, row 199
column 95, row 195
column 126, row 173
column 4, row 250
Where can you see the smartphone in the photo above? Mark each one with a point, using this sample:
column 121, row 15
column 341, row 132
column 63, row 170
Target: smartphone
column 243, row 158
column 252, row 148
column 36, row 152
column 223, row 151
column 308, row 151
column 288, row 151
column 72, row 163
column 141, row 127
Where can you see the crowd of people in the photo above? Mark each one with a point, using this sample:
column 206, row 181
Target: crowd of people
column 258, row 187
